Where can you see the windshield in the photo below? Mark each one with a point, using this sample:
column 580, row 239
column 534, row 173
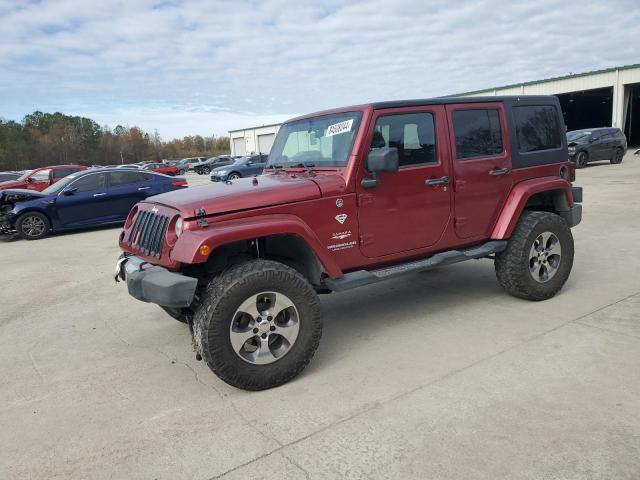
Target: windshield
column 59, row 185
column 324, row 141
column 575, row 136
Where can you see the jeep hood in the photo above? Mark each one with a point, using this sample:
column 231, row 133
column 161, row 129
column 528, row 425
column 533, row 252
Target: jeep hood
column 241, row 194
column 18, row 195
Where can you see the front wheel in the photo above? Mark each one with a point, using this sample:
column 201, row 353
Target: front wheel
column 205, row 171
column 538, row 258
column 582, row 159
column 259, row 324
column 233, row 176
column 33, row 226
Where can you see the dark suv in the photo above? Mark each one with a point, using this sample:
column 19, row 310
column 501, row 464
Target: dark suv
column 593, row 144
column 209, row 164
column 351, row 197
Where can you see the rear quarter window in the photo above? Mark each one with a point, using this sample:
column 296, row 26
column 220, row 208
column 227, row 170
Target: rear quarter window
column 537, row 128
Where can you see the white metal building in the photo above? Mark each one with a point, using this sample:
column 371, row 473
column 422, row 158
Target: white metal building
column 253, row 140
column 602, row 98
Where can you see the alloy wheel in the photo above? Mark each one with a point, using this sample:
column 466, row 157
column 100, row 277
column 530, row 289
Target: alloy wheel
column 545, row 257
column 33, row 226
column 264, row 328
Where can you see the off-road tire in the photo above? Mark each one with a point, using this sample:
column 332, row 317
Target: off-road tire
column 582, row 159
column 512, row 264
column 617, row 156
column 223, row 296
column 176, row 313
column 23, row 221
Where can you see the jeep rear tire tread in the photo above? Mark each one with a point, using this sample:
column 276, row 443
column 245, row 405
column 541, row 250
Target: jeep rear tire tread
column 223, row 296
column 512, row 265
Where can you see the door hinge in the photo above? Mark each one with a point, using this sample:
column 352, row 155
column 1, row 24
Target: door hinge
column 365, row 199
column 366, row 239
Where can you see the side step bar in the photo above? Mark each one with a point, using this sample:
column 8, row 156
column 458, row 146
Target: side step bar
column 365, row 277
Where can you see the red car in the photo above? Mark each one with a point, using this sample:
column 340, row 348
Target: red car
column 163, row 168
column 41, row 178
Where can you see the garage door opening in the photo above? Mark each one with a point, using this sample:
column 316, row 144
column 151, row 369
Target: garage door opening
column 587, row 109
column 265, row 142
column 239, row 146
column 632, row 122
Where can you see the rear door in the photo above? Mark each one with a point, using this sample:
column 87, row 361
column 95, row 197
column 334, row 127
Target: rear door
column 125, row 189
column 481, row 165
column 408, row 209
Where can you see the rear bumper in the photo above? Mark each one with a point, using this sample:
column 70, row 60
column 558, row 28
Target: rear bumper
column 153, row 284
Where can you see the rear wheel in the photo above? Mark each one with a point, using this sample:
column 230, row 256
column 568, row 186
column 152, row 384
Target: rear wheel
column 582, row 159
column 259, row 324
column 618, row 154
column 538, row 258
column 33, row 226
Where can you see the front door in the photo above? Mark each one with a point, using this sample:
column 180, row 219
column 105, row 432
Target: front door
column 84, row 202
column 481, row 166
column 408, row 209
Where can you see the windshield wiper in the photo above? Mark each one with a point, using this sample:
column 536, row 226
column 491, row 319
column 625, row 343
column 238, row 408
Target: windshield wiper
column 307, row 168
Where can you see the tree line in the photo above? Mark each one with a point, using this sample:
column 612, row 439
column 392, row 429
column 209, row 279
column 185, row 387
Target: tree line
column 43, row 139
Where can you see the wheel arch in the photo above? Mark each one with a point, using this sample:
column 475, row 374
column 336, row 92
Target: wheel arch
column 284, row 238
column 550, row 195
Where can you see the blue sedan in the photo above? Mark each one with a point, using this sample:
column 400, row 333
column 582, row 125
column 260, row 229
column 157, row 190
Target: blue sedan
column 242, row 167
column 85, row 199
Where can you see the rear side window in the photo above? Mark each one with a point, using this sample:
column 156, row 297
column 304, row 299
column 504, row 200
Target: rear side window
column 537, row 128
column 62, row 172
column 413, row 134
column 117, row 179
column 478, row 133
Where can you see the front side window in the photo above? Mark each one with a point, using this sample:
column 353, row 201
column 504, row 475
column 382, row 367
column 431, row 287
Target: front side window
column 88, row 183
column 41, row 176
column 478, row 133
column 62, row 172
column 412, row 134
column 537, row 128
column 324, row 141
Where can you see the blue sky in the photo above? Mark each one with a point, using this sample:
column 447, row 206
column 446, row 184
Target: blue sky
column 204, row 66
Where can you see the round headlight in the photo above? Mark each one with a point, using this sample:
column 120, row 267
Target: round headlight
column 178, row 226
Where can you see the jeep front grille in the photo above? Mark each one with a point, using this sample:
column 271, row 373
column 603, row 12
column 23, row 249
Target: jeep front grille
column 147, row 233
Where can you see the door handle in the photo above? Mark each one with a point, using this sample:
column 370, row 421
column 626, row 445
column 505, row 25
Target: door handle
column 437, row 181
column 498, row 172
column 143, row 188
column 98, row 194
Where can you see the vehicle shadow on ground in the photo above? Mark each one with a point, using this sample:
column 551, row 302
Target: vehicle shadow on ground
column 418, row 300
column 14, row 237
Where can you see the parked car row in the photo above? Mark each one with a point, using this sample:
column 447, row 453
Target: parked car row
column 85, row 198
column 204, row 168
column 246, row 166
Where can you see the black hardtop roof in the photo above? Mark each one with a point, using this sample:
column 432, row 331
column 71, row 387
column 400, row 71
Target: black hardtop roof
column 454, row 100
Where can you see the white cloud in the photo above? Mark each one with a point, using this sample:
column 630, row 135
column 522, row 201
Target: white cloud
column 195, row 66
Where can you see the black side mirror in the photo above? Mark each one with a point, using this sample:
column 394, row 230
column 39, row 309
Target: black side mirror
column 70, row 191
column 381, row 160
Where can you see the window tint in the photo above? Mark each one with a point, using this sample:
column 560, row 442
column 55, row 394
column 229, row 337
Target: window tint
column 91, row 182
column 117, row 179
column 413, row 134
column 537, row 128
column 62, row 172
column 478, row 133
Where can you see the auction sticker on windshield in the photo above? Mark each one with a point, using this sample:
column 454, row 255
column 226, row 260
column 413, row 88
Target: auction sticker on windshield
column 338, row 128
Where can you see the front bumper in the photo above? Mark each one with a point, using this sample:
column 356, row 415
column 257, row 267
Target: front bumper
column 153, row 284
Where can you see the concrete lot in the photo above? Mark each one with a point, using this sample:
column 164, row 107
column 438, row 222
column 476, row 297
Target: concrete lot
column 437, row 375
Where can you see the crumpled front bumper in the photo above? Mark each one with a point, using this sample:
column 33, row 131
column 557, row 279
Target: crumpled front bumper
column 153, row 284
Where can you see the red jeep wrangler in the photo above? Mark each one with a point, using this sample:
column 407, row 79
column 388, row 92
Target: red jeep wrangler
column 350, row 197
